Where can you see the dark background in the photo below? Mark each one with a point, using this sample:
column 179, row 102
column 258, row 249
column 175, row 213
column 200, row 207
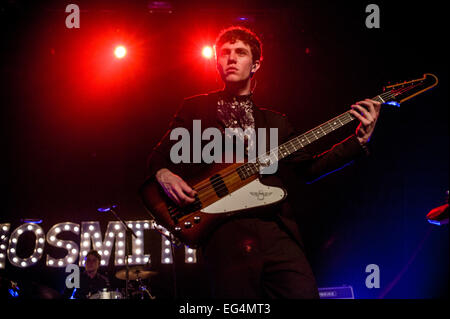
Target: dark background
column 77, row 125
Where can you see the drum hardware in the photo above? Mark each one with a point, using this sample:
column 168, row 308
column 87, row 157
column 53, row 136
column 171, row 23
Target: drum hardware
column 106, row 294
column 137, row 274
column 142, row 291
column 128, row 234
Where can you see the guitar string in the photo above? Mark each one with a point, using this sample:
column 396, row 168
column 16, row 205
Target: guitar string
column 383, row 96
column 312, row 136
column 307, row 134
column 402, row 90
column 207, row 189
column 211, row 191
column 218, row 183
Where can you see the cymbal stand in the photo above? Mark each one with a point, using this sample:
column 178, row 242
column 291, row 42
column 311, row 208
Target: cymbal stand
column 128, row 236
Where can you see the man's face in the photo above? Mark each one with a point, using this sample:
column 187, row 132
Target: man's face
column 234, row 62
column 92, row 263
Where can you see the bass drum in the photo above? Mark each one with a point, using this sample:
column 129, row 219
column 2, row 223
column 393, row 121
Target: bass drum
column 107, row 294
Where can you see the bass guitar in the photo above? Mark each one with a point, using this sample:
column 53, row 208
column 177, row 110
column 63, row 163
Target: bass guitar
column 228, row 189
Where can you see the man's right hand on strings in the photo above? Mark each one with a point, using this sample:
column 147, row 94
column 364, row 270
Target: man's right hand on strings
column 175, row 187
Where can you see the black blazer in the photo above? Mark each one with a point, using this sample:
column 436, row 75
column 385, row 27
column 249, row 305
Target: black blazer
column 293, row 172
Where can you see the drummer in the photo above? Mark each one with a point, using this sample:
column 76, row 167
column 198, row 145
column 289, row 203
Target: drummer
column 91, row 281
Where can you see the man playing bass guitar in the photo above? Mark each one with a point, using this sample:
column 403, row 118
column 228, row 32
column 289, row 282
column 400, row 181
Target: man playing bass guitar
column 259, row 254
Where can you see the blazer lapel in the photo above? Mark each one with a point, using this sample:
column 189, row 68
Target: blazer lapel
column 261, row 122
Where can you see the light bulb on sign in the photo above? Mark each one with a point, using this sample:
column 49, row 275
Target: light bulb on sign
column 166, row 252
column 190, row 255
column 138, row 242
column 36, row 255
column 70, row 246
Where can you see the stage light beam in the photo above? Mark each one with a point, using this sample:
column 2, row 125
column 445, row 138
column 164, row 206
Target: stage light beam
column 120, row 52
column 207, row 52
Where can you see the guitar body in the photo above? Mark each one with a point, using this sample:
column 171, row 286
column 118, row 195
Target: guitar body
column 253, row 195
column 191, row 224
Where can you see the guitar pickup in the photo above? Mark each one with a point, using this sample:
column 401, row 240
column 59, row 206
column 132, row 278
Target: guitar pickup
column 219, row 185
column 177, row 212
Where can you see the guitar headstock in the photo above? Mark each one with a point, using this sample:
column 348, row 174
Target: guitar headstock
column 403, row 91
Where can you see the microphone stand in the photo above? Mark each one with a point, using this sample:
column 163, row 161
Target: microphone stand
column 128, row 233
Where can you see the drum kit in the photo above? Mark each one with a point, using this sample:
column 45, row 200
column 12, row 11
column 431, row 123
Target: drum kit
column 136, row 286
column 133, row 276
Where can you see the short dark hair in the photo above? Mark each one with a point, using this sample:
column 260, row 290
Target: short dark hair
column 235, row 33
column 95, row 254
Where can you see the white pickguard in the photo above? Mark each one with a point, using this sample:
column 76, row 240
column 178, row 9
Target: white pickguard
column 252, row 195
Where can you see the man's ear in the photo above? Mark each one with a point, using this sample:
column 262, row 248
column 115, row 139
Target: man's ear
column 255, row 67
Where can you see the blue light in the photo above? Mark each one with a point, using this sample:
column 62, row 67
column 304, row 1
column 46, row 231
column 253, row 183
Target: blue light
column 31, row 221
column 438, row 222
column 326, row 174
column 106, row 208
column 248, row 19
column 13, row 293
column 393, row 103
column 73, row 293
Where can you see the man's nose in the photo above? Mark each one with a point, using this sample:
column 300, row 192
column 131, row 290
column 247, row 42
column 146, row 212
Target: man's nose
column 232, row 58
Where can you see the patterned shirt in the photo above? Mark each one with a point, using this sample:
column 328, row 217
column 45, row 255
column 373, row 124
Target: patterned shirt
column 236, row 112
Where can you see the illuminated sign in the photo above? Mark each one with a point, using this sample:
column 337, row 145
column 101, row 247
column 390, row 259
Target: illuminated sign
column 91, row 237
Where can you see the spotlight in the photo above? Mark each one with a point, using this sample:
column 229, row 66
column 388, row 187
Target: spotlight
column 207, row 52
column 120, row 51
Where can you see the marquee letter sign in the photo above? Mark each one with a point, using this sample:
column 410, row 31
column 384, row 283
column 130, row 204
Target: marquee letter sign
column 90, row 237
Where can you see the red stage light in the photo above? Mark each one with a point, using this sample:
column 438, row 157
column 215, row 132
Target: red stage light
column 207, row 52
column 120, row 51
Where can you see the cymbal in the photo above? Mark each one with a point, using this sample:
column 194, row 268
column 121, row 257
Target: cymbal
column 135, row 273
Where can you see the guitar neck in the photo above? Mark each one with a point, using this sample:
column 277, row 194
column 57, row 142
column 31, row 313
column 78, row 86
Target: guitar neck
column 295, row 144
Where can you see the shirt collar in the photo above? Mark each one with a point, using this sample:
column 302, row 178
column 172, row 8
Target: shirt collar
column 240, row 98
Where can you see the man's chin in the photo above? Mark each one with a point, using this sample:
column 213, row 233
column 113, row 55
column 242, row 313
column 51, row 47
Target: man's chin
column 233, row 79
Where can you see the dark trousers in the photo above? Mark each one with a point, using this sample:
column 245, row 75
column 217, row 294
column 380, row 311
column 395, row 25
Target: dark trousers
column 256, row 258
